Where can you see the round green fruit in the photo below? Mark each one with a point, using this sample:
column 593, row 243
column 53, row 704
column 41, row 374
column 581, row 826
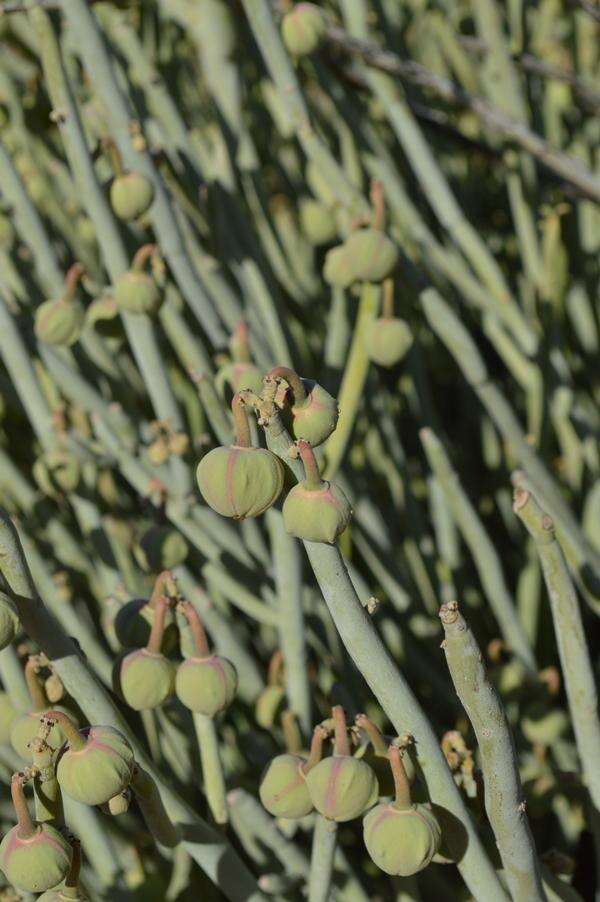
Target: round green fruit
column 9, row 620
column 161, row 548
column 317, row 221
column 240, row 482
column 315, row 417
column 316, row 514
column 303, row 29
column 401, row 841
column 339, row 269
column 98, row 769
column 283, row 790
column 59, row 322
column 37, row 863
column 373, row 254
column 388, row 340
column 341, row 787
column 206, row 685
column 137, row 292
column 25, row 727
column 131, row 195
column 146, row 679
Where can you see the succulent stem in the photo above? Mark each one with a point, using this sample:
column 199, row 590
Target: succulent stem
column 27, row 828
column 387, row 311
column 72, row 278
column 294, row 381
column 401, row 784
column 191, row 615
column 240, row 422
column 375, row 735
column 378, row 202
column 158, row 625
column 341, row 745
column 316, row 748
column 114, row 155
column 141, row 257
column 36, row 692
column 74, row 738
column 312, row 478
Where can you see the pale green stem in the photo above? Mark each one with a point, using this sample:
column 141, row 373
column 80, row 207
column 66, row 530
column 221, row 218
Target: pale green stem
column 287, row 566
column 321, row 860
column 504, row 800
column 353, row 380
column 570, row 637
column 388, row 684
column 485, row 556
column 212, row 768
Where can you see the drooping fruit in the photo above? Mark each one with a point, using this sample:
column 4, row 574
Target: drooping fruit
column 119, row 804
column 34, row 857
column 147, row 677
column 103, row 315
column 401, row 837
column 240, row 481
column 136, row 291
column 205, row 683
column 315, row 510
column 283, row 790
column 373, row 254
column 341, row 787
column 303, row 29
column 95, row 765
column 161, row 548
column 131, row 195
column 388, row 340
column 339, row 267
column 133, row 621
column 314, row 412
column 60, row 321
column 70, row 890
column 26, row 726
column 317, row 221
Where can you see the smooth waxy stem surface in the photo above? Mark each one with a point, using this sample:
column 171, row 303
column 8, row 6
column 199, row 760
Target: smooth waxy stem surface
column 503, row 793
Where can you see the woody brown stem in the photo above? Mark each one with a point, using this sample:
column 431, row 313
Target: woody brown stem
column 341, row 745
column 240, row 422
column 191, row 615
column 293, row 380
column 375, row 735
column 311, row 468
column 36, row 693
column 158, row 625
column 74, row 738
column 26, row 826
column 142, row 256
column 401, row 784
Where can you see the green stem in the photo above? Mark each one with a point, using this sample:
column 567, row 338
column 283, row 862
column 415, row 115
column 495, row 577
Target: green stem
column 72, row 278
column 141, row 257
column 389, row 686
column 353, row 380
column 485, row 556
column 212, row 768
column 47, row 793
column 570, row 637
column 387, row 307
column 321, row 860
column 70, row 889
column 504, row 800
column 155, row 639
column 376, row 737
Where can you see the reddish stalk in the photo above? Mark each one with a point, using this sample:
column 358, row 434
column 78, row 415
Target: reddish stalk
column 191, row 615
